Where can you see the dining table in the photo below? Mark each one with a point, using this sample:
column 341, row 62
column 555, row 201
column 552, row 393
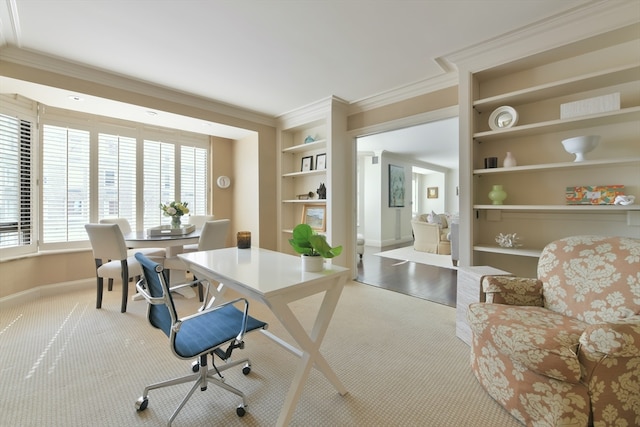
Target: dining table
column 277, row 279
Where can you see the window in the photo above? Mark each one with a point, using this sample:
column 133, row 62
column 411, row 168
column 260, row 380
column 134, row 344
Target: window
column 159, row 180
column 15, row 182
column 117, row 177
column 66, row 189
column 193, row 179
column 88, row 170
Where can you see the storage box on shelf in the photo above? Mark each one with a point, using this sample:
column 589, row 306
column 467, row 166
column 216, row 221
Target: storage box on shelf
column 535, row 206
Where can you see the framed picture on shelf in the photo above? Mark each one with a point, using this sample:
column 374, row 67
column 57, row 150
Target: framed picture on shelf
column 396, row 186
column 315, row 216
column 432, row 192
column 321, row 161
column 307, row 164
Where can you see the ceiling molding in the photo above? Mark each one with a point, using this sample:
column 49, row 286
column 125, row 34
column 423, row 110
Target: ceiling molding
column 592, row 18
column 443, row 81
column 36, row 60
column 308, row 113
column 405, row 122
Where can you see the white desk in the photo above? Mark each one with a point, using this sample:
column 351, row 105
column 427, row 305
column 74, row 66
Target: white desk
column 276, row 279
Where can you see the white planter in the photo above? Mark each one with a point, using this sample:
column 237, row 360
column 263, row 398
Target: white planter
column 312, row 264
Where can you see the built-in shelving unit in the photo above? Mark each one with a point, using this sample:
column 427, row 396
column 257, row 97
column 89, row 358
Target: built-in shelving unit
column 313, row 131
column 536, row 207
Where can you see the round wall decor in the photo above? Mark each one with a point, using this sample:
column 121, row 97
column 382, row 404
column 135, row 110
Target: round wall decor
column 223, row 181
column 503, row 117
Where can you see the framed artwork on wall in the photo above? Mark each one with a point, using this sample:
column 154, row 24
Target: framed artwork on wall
column 306, row 164
column 432, row 192
column 396, row 186
column 315, row 216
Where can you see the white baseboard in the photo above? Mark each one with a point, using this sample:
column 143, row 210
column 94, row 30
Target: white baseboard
column 44, row 291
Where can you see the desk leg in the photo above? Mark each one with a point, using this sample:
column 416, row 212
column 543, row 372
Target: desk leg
column 310, row 346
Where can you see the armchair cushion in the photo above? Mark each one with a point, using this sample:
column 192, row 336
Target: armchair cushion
column 541, row 341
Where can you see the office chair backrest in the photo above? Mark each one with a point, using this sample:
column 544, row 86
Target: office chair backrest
column 199, row 220
column 214, row 235
column 123, row 223
column 107, row 241
column 161, row 316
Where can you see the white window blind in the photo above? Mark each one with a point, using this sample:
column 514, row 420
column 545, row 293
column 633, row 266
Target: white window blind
column 159, row 181
column 117, row 177
column 193, row 179
column 65, row 184
column 15, row 182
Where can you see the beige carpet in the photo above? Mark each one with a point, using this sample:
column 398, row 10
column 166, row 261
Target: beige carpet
column 409, row 254
column 64, row 363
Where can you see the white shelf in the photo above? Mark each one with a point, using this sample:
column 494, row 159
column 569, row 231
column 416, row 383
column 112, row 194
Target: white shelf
column 560, row 208
column 309, row 202
column 558, row 166
column 305, row 173
column 315, row 145
column 576, row 84
column 534, row 253
column 608, row 118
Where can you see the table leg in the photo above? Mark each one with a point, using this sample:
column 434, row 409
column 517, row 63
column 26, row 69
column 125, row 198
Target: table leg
column 310, row 346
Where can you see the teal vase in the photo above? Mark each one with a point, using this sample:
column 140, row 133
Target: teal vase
column 497, row 195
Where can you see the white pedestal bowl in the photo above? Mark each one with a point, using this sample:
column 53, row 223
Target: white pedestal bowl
column 581, row 145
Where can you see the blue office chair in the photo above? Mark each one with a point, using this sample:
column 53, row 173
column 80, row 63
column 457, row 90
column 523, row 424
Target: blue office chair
column 195, row 336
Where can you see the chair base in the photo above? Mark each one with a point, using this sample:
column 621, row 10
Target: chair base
column 201, row 378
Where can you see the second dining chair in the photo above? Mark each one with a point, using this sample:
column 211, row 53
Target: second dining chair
column 112, row 259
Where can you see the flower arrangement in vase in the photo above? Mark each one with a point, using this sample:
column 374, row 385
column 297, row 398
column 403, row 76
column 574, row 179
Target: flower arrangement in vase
column 175, row 210
column 310, row 244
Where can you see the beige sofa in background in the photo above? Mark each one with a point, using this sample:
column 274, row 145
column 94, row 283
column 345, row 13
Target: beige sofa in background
column 431, row 237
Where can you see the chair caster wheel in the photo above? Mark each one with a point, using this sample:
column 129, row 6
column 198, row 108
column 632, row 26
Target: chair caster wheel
column 141, row 404
column 240, row 411
column 195, row 366
column 246, row 369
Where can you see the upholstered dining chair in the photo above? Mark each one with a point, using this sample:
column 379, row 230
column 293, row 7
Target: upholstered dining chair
column 111, row 258
column 198, row 221
column 196, row 336
column 213, row 236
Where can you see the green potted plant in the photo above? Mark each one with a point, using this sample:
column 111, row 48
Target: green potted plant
column 312, row 247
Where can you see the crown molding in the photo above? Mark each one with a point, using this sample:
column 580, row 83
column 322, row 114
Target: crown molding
column 38, row 61
column 316, row 110
column 587, row 20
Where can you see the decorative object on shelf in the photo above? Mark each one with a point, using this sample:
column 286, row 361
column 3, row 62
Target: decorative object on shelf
column 510, row 240
column 490, row 162
column 396, row 186
column 315, row 216
column 584, row 107
column 312, row 247
column 309, row 139
column 497, row 195
column 175, row 210
column 503, row 117
column 322, row 191
column 223, row 181
column 432, row 192
column 509, row 161
column 321, row 161
column 624, row 200
column 593, row 194
column 580, row 145
column 307, row 164
column 306, row 196
column 244, row 239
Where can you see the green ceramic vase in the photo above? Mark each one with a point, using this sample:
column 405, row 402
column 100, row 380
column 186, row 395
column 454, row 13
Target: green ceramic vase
column 497, row 195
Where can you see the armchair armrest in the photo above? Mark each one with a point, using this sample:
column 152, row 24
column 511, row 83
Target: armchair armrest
column 513, row 290
column 614, row 339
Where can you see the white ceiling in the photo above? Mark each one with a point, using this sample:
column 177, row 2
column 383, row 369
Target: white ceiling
column 267, row 56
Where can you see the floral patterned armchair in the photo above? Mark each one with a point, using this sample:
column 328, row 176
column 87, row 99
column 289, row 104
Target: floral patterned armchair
column 564, row 349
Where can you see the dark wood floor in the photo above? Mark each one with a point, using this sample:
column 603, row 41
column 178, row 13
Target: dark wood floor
column 419, row 280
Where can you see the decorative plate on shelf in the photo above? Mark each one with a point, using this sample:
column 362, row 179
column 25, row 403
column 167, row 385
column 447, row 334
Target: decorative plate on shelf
column 503, row 117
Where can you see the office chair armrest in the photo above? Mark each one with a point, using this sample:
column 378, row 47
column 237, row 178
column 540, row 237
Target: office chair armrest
column 142, row 290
